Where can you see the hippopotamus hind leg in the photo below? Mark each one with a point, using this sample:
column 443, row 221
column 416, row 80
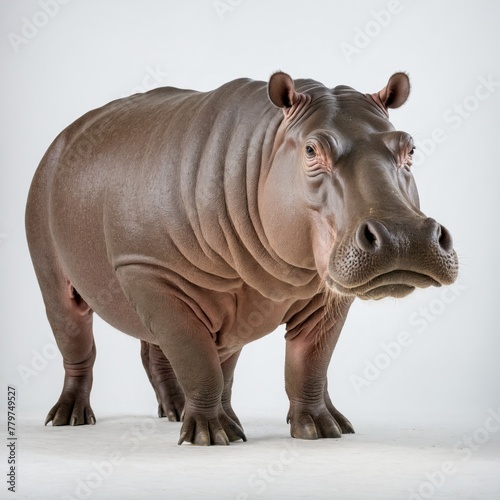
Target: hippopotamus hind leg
column 162, row 377
column 228, row 367
column 69, row 315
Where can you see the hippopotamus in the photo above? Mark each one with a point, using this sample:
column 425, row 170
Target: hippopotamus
column 198, row 222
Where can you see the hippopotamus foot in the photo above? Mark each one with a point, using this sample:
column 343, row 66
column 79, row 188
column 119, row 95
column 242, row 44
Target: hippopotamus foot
column 168, row 392
column 220, row 426
column 312, row 421
column 225, row 427
column 317, row 420
column 205, row 427
column 73, row 406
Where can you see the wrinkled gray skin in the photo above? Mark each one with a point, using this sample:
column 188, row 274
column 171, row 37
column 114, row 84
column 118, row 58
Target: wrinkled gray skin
column 199, row 222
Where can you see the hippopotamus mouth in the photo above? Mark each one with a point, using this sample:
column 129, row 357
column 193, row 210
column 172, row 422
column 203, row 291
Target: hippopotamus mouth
column 396, row 284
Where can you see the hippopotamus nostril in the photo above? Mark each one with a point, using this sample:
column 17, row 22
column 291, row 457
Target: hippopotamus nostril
column 438, row 236
column 370, row 236
column 444, row 239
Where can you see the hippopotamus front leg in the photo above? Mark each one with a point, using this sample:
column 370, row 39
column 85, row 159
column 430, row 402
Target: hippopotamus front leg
column 168, row 392
column 309, row 347
column 162, row 377
column 187, row 343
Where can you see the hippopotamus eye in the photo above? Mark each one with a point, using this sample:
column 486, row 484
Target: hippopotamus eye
column 310, row 151
column 408, row 161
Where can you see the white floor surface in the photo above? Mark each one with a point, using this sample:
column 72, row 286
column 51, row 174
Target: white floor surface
column 125, row 457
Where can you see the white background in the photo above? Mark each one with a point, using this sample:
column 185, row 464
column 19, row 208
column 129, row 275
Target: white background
column 86, row 53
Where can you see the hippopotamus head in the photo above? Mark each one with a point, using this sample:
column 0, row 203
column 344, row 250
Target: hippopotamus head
column 351, row 209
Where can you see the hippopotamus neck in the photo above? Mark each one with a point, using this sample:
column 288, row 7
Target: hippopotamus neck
column 230, row 208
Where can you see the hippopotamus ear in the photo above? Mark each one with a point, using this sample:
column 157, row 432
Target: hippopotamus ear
column 395, row 93
column 281, row 90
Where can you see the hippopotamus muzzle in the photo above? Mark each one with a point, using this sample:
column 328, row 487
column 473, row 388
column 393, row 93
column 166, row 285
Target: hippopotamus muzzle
column 390, row 260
